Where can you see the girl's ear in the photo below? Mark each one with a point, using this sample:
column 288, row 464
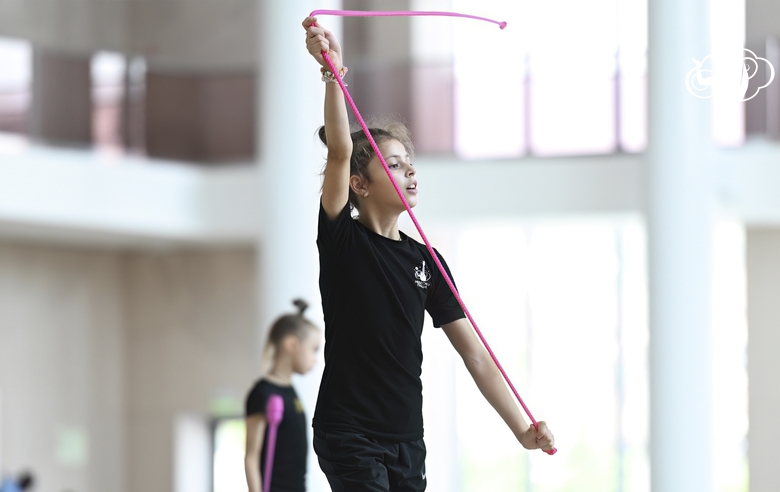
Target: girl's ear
column 290, row 343
column 358, row 186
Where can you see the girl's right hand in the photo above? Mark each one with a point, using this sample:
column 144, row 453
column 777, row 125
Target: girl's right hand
column 319, row 39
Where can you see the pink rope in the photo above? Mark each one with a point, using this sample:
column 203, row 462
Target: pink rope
column 360, row 13
column 401, row 13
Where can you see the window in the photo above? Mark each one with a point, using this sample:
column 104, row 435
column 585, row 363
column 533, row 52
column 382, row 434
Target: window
column 108, row 93
column 15, row 84
column 565, row 78
column 563, row 304
column 229, row 447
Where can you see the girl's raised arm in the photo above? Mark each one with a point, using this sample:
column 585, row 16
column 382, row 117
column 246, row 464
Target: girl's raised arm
column 335, row 187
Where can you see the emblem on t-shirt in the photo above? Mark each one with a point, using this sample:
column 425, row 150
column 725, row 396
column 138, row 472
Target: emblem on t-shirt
column 423, row 276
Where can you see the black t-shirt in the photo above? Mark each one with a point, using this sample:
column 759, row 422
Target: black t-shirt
column 375, row 291
column 289, row 468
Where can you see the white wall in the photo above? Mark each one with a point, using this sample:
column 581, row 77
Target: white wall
column 80, row 26
column 62, row 366
column 191, row 338
column 172, row 34
column 101, row 350
column 81, row 197
column 84, row 197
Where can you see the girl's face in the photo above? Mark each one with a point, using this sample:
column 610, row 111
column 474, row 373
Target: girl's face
column 380, row 190
column 304, row 354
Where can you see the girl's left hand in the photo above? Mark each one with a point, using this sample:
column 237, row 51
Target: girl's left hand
column 319, row 39
column 538, row 439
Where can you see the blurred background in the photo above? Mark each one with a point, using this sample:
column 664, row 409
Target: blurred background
column 615, row 233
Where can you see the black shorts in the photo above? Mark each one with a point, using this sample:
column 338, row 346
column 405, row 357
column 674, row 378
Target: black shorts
column 356, row 463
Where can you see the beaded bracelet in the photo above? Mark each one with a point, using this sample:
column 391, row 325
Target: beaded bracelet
column 327, row 75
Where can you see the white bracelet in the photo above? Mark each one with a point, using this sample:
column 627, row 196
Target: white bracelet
column 327, row 75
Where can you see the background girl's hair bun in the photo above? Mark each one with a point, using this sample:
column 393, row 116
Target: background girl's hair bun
column 321, row 134
column 301, row 305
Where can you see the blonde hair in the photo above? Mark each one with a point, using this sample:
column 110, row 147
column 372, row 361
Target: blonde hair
column 284, row 326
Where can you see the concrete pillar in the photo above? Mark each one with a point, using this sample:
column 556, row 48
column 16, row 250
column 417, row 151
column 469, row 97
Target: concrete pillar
column 290, row 161
column 680, row 232
column 763, row 270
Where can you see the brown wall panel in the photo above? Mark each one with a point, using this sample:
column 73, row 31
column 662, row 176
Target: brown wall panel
column 200, row 118
column 62, row 98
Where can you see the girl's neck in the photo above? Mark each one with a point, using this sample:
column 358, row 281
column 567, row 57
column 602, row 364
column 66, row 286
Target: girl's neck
column 382, row 223
column 281, row 373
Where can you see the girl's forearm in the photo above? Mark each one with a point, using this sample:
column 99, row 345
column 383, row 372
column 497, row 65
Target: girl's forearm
column 336, row 123
column 492, row 386
column 335, row 185
column 252, row 468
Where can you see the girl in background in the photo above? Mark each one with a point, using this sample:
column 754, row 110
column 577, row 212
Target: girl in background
column 292, row 348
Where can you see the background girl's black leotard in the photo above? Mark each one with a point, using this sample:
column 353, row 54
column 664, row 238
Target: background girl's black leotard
column 289, row 468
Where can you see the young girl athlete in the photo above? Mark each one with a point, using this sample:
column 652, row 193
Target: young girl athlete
column 292, row 345
column 376, row 284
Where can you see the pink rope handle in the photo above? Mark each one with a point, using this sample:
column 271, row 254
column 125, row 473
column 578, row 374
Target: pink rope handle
column 351, row 102
column 274, row 413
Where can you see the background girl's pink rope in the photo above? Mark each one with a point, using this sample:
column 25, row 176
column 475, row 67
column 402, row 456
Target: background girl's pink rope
column 274, row 413
column 351, row 102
